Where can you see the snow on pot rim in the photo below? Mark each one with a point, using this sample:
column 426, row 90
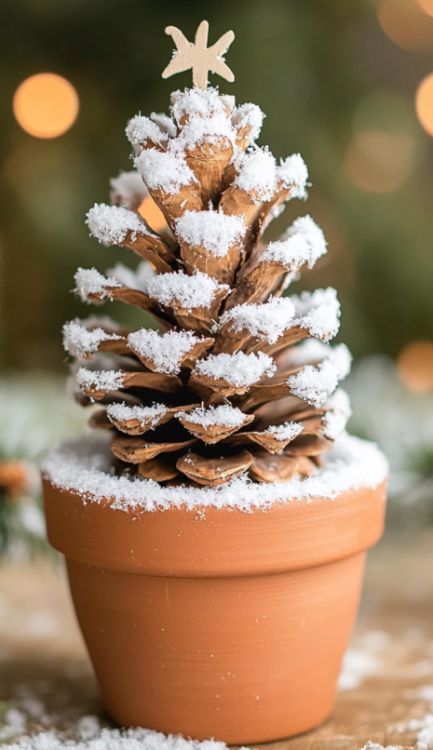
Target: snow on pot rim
column 83, row 466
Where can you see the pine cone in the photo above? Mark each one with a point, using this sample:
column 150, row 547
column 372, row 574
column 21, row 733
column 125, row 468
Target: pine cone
column 239, row 378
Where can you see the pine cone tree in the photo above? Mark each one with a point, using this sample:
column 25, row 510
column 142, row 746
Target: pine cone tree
column 239, row 378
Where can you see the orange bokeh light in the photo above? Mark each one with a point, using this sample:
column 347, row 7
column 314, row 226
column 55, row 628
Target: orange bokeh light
column 426, row 6
column 405, row 24
column 45, row 105
column 378, row 161
column 415, row 366
column 152, row 214
column 424, row 103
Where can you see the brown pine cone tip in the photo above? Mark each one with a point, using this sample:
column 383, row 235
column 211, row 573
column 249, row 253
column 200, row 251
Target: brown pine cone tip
column 239, row 379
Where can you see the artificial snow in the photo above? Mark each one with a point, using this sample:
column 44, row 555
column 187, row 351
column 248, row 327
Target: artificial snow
column 307, row 352
column 424, row 731
column 315, row 383
column 85, row 466
column 164, row 170
column 293, row 173
column 196, row 102
column 248, row 116
column 88, row 281
column 138, row 279
column 189, row 292
column 318, row 312
column 283, row 432
column 164, row 350
column 140, row 130
column 267, row 321
column 122, row 413
column 303, row 243
column 338, row 413
column 214, row 231
column 215, row 130
column 127, row 189
column 115, row 739
column 239, row 369
column 225, row 414
column 79, row 341
column 110, row 225
column 165, row 123
column 257, row 173
column 99, row 380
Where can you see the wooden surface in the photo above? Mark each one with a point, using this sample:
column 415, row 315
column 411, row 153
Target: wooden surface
column 389, row 668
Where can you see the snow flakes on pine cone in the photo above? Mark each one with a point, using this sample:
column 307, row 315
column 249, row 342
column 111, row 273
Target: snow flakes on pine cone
column 228, row 363
column 303, row 244
column 90, row 283
column 315, row 383
column 81, row 341
column 212, row 230
column 189, row 292
column 240, row 370
column 110, row 225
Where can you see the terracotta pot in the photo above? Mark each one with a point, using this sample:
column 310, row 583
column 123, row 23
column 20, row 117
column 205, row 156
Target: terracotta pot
column 220, row 623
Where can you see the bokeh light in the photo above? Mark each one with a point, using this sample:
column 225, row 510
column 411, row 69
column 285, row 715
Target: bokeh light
column 152, row 214
column 426, row 6
column 415, row 366
column 424, row 103
column 378, row 161
column 46, row 105
column 404, row 22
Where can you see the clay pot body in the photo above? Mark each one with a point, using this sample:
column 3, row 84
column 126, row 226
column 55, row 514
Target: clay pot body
column 217, row 623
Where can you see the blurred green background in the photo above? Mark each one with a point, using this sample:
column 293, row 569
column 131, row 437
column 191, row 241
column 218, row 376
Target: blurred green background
column 347, row 84
column 334, row 86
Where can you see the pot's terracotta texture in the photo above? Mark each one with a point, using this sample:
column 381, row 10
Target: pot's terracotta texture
column 217, row 623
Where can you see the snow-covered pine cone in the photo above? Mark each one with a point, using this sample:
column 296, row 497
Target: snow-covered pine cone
column 239, row 378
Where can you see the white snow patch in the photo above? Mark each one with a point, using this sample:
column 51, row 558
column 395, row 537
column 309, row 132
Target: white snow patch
column 89, row 281
column 337, row 415
column 358, row 665
column 111, row 224
column 93, row 738
column 165, row 350
column 127, row 189
column 315, row 383
column 84, row 466
column 293, row 173
column 122, row 413
column 195, row 102
column 225, row 414
column 189, row 292
column 286, row 431
column 141, row 129
column 267, row 321
column 164, row 170
column 79, row 341
column 138, row 279
column 257, row 173
column 303, row 243
column 99, row 380
column 214, row 231
column 165, row 123
column 238, row 369
column 248, row 116
column 318, row 312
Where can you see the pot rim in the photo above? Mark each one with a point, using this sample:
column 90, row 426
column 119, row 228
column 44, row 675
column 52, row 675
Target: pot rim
column 214, row 542
column 83, row 466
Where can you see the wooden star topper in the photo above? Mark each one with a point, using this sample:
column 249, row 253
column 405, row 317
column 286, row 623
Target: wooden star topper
column 198, row 56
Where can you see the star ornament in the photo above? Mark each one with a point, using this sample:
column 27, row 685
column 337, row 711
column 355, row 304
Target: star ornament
column 198, row 57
